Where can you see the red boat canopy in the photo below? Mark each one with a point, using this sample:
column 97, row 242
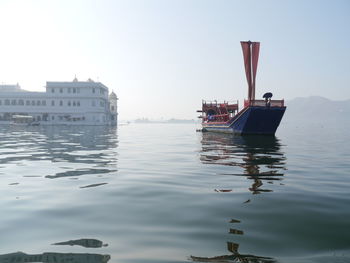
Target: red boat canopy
column 251, row 57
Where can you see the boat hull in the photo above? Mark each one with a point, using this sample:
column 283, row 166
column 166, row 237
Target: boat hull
column 251, row 120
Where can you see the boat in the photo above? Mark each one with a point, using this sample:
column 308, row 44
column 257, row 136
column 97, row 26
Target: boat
column 22, row 120
column 260, row 117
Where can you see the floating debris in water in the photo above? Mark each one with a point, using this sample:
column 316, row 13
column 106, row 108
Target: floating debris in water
column 92, row 185
column 84, row 242
column 14, row 184
column 246, row 201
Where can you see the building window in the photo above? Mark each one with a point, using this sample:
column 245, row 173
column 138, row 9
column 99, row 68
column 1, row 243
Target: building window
column 93, row 90
column 27, row 102
column 52, row 117
column 13, row 102
column 52, row 103
column 43, row 102
column 33, row 102
column 61, row 118
column 78, row 103
column 21, row 102
column 74, row 90
column 61, row 103
column 112, row 108
column 0, row 102
column 78, row 90
column 101, row 91
column 69, row 103
column 93, row 103
column 38, row 103
column 52, row 90
column 74, row 104
column 7, row 102
column 69, row 90
column 61, row 90
column 102, row 103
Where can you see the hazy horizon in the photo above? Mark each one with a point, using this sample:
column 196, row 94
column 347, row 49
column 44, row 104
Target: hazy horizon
column 163, row 57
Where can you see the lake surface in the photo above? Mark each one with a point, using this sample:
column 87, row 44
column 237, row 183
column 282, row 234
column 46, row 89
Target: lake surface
column 166, row 193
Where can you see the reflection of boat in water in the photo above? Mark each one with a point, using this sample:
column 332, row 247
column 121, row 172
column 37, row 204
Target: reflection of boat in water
column 257, row 116
column 235, row 256
column 50, row 257
column 247, row 258
column 260, row 157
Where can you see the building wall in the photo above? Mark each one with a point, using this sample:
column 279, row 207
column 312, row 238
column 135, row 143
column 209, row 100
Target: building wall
column 72, row 102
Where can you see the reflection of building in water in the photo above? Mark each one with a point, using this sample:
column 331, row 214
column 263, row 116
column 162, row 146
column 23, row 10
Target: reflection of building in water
column 50, row 257
column 84, row 242
column 259, row 156
column 93, row 146
column 85, row 150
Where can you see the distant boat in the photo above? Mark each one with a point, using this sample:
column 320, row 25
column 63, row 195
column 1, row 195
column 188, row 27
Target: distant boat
column 257, row 117
column 22, row 120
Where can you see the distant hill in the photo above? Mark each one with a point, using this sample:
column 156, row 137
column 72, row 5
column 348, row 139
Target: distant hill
column 317, row 108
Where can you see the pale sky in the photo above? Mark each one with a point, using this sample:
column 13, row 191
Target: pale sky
column 162, row 57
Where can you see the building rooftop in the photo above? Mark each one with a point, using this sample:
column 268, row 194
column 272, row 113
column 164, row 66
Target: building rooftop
column 10, row 88
column 75, row 83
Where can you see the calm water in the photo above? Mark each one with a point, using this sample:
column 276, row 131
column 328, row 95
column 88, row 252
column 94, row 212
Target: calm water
column 166, row 193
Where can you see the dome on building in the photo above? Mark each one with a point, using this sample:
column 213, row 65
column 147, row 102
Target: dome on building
column 113, row 96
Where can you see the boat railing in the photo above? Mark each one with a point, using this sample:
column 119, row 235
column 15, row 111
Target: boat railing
column 210, row 102
column 216, row 103
column 217, row 118
column 271, row 103
column 214, row 111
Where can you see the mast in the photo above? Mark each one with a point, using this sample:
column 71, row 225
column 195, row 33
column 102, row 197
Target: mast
column 251, row 57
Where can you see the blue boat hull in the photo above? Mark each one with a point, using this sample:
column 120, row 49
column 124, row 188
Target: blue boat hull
column 252, row 120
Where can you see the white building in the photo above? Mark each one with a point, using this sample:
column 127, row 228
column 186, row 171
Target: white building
column 72, row 103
